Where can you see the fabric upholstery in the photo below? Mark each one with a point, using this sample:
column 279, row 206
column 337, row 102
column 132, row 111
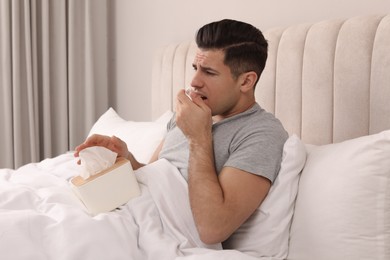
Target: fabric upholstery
column 327, row 82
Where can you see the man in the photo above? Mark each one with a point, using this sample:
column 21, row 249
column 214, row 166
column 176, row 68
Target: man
column 227, row 147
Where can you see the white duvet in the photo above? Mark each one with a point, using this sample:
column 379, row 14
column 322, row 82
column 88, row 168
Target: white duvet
column 41, row 218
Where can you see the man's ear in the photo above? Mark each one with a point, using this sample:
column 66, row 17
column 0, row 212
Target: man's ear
column 248, row 81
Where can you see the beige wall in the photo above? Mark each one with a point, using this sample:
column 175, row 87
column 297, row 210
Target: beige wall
column 141, row 26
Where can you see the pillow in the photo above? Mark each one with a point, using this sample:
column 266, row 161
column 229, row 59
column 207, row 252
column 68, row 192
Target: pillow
column 142, row 138
column 266, row 232
column 343, row 204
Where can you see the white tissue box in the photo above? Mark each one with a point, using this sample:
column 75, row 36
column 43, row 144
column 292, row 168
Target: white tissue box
column 108, row 189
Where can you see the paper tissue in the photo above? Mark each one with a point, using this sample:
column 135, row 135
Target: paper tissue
column 105, row 182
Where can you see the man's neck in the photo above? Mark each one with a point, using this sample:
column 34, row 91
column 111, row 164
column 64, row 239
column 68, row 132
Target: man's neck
column 218, row 118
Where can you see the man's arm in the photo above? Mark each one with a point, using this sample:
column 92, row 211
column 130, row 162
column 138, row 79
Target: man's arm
column 219, row 203
column 157, row 152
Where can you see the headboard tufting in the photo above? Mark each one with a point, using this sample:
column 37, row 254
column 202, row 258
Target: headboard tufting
column 327, row 82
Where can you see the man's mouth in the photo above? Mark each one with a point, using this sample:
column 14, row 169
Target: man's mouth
column 188, row 91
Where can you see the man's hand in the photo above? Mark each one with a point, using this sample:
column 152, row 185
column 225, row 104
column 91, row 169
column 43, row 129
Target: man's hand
column 193, row 117
column 112, row 143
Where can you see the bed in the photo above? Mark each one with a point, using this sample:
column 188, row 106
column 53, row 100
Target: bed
column 328, row 82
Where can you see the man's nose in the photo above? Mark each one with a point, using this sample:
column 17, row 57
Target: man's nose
column 197, row 81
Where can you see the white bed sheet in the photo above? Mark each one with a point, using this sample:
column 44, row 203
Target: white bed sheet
column 41, row 218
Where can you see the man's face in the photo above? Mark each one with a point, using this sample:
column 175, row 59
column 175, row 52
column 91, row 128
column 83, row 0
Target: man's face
column 214, row 82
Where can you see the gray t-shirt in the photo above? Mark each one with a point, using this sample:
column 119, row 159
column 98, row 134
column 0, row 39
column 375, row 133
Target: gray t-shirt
column 251, row 141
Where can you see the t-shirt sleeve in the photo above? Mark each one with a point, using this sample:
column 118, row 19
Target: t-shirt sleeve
column 259, row 152
column 171, row 123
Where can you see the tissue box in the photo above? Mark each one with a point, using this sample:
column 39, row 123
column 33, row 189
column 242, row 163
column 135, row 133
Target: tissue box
column 108, row 189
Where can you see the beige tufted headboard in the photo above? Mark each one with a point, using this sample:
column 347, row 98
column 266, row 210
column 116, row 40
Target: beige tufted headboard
column 327, row 82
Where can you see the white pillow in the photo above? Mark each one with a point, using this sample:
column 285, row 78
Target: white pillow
column 266, row 232
column 142, row 138
column 343, row 204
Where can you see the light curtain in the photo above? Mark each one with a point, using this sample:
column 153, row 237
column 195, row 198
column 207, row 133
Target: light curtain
column 53, row 76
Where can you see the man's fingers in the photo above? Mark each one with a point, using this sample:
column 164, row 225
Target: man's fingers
column 93, row 140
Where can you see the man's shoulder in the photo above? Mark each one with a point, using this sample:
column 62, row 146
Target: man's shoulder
column 259, row 117
column 252, row 123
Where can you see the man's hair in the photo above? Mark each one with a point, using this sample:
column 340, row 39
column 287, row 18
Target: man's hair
column 244, row 45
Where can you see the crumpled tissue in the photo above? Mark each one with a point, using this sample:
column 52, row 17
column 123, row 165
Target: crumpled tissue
column 95, row 159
